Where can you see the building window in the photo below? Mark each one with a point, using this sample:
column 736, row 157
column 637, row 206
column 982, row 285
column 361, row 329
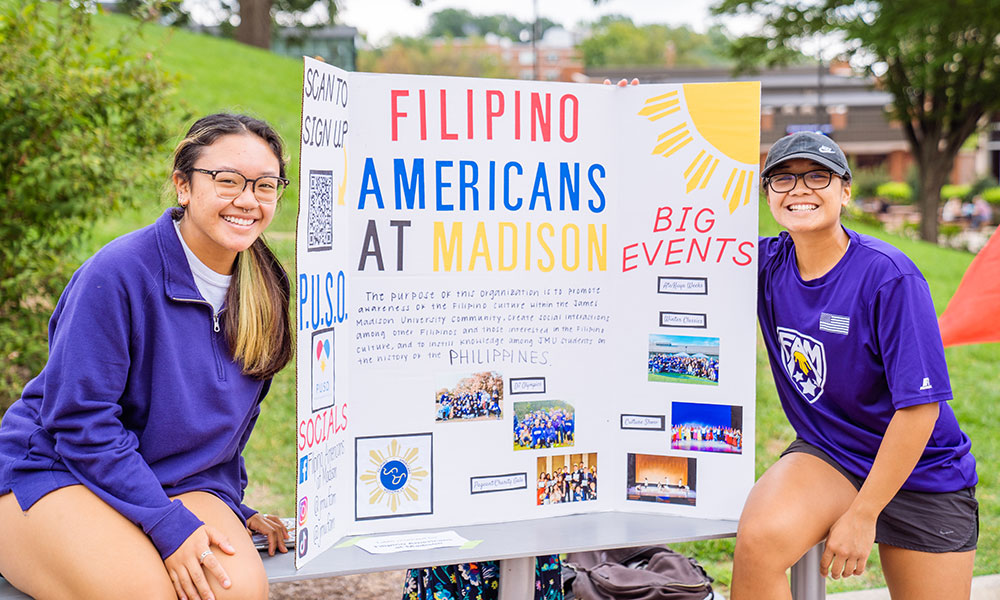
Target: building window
column 788, row 109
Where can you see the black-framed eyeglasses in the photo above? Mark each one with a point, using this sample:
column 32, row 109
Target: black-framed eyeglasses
column 785, row 182
column 229, row 184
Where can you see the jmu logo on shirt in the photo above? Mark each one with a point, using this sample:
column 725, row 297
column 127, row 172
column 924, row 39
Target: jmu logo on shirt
column 804, row 359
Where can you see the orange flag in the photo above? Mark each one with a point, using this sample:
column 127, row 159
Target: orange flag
column 973, row 313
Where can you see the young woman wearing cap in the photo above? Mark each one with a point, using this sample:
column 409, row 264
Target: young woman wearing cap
column 857, row 360
column 120, row 466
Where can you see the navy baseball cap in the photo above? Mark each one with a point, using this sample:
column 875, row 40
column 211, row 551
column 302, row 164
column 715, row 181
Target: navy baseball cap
column 807, row 144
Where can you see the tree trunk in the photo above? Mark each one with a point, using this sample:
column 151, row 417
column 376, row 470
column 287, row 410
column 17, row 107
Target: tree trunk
column 931, row 180
column 934, row 162
column 255, row 23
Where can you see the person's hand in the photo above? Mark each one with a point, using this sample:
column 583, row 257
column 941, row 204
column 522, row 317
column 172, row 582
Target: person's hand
column 623, row 82
column 189, row 563
column 273, row 528
column 848, row 545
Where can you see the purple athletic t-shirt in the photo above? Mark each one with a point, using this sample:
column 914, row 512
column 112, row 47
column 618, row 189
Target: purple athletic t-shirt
column 851, row 347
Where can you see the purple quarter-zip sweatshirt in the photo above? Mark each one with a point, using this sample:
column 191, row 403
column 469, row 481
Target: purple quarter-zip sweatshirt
column 140, row 399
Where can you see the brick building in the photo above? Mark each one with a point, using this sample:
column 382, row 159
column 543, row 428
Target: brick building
column 558, row 57
column 847, row 107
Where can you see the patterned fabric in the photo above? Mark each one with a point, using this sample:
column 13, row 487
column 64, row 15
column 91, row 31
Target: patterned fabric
column 478, row 581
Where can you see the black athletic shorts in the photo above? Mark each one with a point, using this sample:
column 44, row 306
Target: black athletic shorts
column 922, row 521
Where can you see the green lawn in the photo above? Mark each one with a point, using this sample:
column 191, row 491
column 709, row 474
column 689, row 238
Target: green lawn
column 219, row 75
column 680, row 378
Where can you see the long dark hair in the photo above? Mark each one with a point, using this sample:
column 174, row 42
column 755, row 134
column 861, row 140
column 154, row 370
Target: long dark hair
column 256, row 323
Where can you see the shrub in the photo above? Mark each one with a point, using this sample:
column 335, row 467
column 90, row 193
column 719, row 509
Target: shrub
column 992, row 195
column 79, row 122
column 962, row 191
column 895, row 191
column 983, row 183
column 865, row 181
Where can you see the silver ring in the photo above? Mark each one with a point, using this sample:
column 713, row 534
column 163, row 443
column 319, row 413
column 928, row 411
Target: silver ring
column 201, row 559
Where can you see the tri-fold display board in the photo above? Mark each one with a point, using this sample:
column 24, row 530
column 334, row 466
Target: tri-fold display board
column 522, row 299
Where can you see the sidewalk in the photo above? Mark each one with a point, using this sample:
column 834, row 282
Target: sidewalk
column 985, row 587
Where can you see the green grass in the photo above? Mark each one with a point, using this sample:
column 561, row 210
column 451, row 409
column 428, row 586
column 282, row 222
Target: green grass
column 220, row 75
column 679, row 378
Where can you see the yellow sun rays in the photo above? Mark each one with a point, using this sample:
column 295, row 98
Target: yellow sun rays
column 695, row 176
column 672, row 140
column 379, row 494
column 726, row 119
column 744, row 183
column 660, row 106
column 342, row 190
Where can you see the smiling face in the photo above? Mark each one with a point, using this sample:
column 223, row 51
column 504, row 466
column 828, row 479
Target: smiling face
column 807, row 212
column 214, row 228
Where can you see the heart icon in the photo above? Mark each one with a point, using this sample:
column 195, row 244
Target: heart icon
column 326, row 347
column 319, row 349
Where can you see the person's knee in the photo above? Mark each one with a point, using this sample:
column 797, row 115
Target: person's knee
column 249, row 581
column 765, row 542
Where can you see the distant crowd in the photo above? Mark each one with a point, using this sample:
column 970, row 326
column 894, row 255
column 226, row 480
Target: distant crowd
column 701, row 433
column 704, row 367
column 476, row 397
column 578, row 484
column 544, row 429
column 468, row 406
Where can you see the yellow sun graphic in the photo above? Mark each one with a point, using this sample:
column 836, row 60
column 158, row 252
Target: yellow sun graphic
column 392, row 475
column 726, row 118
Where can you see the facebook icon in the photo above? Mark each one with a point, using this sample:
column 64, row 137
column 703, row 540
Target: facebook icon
column 303, row 469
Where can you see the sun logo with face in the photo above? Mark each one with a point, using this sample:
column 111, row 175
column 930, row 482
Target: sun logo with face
column 393, row 474
column 721, row 128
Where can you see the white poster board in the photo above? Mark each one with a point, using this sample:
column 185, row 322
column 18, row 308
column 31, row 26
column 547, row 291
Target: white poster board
column 522, row 299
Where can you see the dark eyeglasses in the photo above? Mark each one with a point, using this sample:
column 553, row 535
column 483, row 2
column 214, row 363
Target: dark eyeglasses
column 230, row 184
column 785, row 182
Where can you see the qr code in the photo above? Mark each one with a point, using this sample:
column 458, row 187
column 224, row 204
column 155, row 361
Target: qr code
column 320, row 213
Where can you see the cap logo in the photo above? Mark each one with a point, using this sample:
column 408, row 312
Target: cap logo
column 827, row 150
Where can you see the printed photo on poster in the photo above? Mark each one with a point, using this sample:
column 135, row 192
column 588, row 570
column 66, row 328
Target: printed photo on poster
column 472, row 397
column 664, row 479
column 322, row 369
column 394, row 476
column 684, row 359
column 706, row 427
column 567, row 478
column 543, row 424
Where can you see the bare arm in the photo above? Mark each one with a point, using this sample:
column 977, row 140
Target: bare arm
column 851, row 537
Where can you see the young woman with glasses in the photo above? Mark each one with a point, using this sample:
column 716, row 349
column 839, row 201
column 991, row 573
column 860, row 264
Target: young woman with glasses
column 120, row 467
column 856, row 355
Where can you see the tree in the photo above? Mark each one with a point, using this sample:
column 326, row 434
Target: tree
column 938, row 58
column 467, row 58
column 256, row 17
column 460, row 23
column 81, row 122
column 615, row 41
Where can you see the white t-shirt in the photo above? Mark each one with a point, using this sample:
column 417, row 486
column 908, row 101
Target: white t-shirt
column 212, row 286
